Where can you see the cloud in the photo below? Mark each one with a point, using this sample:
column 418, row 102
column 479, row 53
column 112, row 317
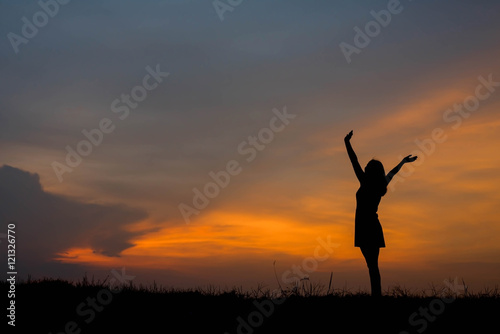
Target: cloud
column 226, row 78
column 47, row 224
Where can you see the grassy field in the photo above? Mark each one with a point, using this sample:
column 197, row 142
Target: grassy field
column 57, row 306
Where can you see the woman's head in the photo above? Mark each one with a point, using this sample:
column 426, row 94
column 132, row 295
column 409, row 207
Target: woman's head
column 375, row 176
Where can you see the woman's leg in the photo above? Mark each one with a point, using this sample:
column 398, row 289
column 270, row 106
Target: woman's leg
column 371, row 257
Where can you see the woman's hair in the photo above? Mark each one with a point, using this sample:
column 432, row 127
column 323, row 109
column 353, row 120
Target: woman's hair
column 375, row 176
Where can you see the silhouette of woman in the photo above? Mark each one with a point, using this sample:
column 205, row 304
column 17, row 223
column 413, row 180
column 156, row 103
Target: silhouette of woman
column 368, row 234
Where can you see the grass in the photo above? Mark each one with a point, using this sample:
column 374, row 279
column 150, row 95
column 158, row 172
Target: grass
column 89, row 306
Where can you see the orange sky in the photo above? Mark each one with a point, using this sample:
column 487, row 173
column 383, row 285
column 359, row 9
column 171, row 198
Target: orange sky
column 441, row 219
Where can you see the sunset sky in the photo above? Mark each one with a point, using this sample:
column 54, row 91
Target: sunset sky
column 264, row 91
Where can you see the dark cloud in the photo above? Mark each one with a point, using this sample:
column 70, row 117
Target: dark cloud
column 47, row 224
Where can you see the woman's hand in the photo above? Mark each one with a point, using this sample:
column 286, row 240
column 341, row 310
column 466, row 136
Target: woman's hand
column 409, row 159
column 348, row 137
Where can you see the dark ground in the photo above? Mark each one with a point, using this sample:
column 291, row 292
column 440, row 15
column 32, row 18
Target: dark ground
column 54, row 306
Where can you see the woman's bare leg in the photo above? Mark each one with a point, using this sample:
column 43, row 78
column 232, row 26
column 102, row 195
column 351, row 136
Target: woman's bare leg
column 371, row 257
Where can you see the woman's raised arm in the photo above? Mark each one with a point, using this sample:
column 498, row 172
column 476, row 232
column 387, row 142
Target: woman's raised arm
column 354, row 159
column 396, row 169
